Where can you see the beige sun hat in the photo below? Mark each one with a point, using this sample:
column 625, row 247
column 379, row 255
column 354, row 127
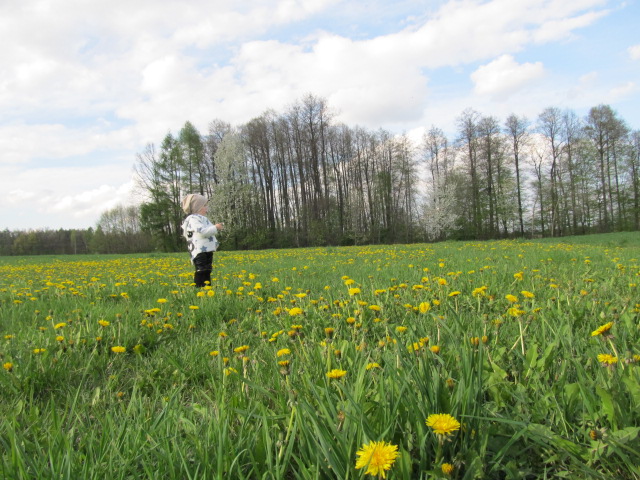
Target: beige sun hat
column 193, row 202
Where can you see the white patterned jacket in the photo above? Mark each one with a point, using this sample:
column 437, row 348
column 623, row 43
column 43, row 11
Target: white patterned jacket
column 200, row 234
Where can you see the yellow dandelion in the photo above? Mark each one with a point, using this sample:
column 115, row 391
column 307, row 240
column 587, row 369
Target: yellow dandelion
column 527, row 294
column 511, row 298
column 442, row 423
column 480, row 291
column 241, row 349
column 515, row 312
column 447, row 468
column 282, row 352
column 295, row 311
column 39, row 350
column 607, row 359
column 8, row 366
column 601, row 330
column 424, row 307
column 372, row 365
column 377, row 458
column 454, row 294
column 354, row 291
column 336, row 373
column 193, row 307
column 103, row 323
column 118, row 349
column 162, row 300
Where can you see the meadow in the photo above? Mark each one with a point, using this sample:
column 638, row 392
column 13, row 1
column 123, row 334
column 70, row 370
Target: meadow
column 502, row 359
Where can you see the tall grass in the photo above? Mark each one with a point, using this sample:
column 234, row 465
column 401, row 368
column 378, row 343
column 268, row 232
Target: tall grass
column 418, row 329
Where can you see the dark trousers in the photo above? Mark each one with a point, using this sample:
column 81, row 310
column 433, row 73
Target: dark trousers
column 204, row 264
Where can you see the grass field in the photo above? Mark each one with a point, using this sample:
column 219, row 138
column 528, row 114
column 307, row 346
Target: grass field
column 507, row 360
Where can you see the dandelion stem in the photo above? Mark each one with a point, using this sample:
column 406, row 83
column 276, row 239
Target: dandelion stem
column 289, row 428
column 520, row 339
column 615, row 351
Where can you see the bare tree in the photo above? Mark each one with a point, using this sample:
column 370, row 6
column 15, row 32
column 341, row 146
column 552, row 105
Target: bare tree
column 549, row 125
column 517, row 129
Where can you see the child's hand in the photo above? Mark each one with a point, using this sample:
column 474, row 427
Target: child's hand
column 220, row 226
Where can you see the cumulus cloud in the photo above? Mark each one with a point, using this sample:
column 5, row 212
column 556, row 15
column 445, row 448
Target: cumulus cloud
column 621, row 91
column 504, row 76
column 157, row 65
column 61, row 197
column 634, row 52
column 102, row 79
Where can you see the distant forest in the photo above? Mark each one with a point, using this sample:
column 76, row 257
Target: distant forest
column 299, row 178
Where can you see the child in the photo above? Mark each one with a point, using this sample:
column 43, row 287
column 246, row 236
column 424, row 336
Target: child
column 201, row 237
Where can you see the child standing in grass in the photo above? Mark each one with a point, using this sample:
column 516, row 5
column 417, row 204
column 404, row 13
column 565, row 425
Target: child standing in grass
column 201, row 237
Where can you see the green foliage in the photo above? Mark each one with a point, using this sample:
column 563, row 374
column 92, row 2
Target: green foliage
column 198, row 391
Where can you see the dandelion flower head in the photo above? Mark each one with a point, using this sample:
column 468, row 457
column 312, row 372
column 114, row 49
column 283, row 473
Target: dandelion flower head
column 442, row 423
column 377, row 458
column 607, row 359
column 336, row 373
column 447, row 468
column 601, row 330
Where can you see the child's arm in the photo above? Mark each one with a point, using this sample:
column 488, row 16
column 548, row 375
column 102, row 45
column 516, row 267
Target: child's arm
column 210, row 229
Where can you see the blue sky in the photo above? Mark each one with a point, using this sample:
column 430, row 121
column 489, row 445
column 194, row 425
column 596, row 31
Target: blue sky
column 85, row 85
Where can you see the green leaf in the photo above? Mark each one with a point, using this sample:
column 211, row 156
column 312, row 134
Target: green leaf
column 634, row 389
column 531, row 358
column 625, row 435
column 607, row 404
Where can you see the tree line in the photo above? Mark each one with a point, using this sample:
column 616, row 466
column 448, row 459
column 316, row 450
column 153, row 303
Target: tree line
column 117, row 231
column 300, row 178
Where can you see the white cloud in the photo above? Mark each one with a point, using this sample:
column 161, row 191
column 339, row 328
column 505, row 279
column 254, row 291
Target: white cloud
column 58, row 197
column 621, row 91
column 108, row 77
column 25, row 144
column 504, row 76
column 588, row 79
column 563, row 28
column 634, row 52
